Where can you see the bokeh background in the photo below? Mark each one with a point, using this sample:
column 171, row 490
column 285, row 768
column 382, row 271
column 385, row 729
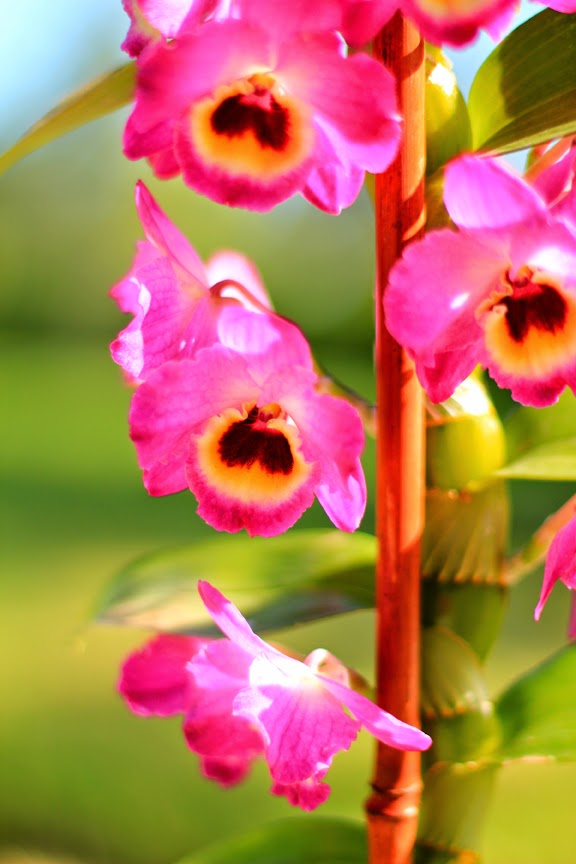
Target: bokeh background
column 81, row 779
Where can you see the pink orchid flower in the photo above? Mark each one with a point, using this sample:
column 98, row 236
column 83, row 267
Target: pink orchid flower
column 254, row 109
column 176, row 299
column 501, row 292
column 242, row 698
column 442, row 22
column 560, row 564
column 242, row 426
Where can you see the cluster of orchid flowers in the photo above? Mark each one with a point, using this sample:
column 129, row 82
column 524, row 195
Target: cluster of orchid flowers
column 252, row 101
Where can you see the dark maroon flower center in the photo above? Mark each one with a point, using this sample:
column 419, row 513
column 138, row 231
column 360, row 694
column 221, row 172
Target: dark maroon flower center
column 258, row 111
column 248, row 441
column 532, row 305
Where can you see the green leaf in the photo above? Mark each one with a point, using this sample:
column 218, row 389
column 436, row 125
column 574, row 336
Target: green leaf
column 525, row 91
column 457, row 711
column 554, row 461
column 465, row 534
column 276, row 582
column 101, row 97
column 302, row 840
column 538, row 712
column 528, row 427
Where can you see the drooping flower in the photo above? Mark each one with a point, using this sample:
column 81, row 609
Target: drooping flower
column 501, row 292
column 174, row 297
column 299, row 711
column 560, row 564
column 254, row 109
column 242, row 426
column 241, row 699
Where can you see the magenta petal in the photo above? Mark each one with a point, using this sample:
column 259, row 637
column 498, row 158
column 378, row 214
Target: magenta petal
column 459, row 28
column 210, row 726
column 449, row 370
column 297, row 16
column 154, row 680
column 178, row 396
column 269, row 342
column 164, row 163
column 308, row 794
column 229, row 265
column 363, row 19
column 435, row 289
column 561, row 5
column 379, row 723
column 572, row 620
column 164, row 235
column 304, row 725
column 175, row 74
column 168, row 16
column 484, row 193
column 334, row 181
column 556, row 180
column 227, row 772
column 334, row 438
column 156, row 333
column 560, row 563
column 231, row 622
column 355, row 95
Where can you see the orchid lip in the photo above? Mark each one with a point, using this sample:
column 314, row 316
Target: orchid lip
column 529, row 324
column 252, row 126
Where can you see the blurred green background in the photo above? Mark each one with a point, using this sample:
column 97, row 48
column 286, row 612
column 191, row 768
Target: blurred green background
column 80, row 777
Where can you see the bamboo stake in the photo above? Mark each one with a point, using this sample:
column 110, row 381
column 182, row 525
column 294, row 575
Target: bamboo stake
column 392, row 809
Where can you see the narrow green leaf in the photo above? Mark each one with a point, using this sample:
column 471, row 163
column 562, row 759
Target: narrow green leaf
column 554, row 461
column 302, row 840
column 465, row 534
column 538, row 712
column 457, row 711
column 525, row 91
column 101, row 97
column 276, row 582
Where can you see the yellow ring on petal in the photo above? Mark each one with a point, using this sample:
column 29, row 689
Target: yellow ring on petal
column 537, row 351
column 252, row 127
column 253, row 482
column 443, row 9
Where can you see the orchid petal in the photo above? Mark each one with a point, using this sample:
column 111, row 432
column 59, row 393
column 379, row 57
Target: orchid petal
column 485, row 193
column 354, row 95
column 180, row 395
column 303, row 724
column 334, row 437
column 378, row 722
column 560, row 563
column 154, row 680
column 227, row 265
column 164, row 235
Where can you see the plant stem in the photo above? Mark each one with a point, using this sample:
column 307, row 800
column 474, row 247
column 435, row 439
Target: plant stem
column 392, row 809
